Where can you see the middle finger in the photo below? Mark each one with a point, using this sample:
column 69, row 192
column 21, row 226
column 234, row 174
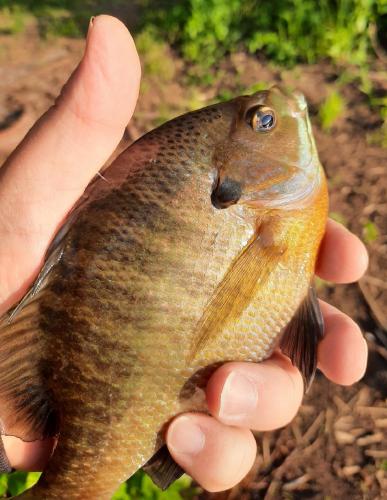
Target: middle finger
column 264, row 396
column 261, row 396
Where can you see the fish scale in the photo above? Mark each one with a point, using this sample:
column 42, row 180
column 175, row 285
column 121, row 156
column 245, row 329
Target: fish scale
column 149, row 287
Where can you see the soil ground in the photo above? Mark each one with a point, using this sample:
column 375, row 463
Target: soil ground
column 337, row 446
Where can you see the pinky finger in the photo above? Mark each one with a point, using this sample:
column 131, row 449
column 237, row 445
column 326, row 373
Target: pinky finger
column 342, row 354
column 215, row 455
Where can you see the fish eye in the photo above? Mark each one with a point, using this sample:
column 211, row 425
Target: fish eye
column 262, row 119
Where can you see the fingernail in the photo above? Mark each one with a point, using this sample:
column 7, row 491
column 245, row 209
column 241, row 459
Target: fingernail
column 239, row 397
column 91, row 24
column 185, row 436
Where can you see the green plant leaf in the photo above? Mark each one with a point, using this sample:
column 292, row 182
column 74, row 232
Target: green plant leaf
column 3, row 484
column 370, row 232
column 17, row 482
column 331, row 110
column 121, row 493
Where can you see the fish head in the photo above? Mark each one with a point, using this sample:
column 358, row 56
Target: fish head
column 269, row 158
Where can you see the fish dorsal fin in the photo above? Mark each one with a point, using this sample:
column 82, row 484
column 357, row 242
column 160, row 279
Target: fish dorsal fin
column 246, row 275
column 302, row 335
column 162, row 469
column 52, row 259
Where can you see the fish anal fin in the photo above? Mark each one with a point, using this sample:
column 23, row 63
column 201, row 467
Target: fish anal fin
column 247, row 274
column 162, row 469
column 302, row 335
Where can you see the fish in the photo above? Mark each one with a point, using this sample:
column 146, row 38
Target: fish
column 196, row 246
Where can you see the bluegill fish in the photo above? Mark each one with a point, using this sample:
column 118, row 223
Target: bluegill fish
column 196, row 246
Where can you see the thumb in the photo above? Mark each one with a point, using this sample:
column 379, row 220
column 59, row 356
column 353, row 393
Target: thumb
column 50, row 169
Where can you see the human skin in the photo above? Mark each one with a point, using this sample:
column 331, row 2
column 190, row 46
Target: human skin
column 39, row 184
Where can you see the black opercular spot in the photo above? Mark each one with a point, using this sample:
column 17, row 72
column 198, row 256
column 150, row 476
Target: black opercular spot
column 226, row 193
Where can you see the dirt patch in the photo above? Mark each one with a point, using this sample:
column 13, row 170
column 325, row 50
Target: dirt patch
column 32, row 73
column 336, row 446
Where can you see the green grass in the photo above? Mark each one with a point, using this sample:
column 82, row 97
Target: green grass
column 287, row 31
column 224, row 95
column 138, row 486
column 68, row 18
column 155, row 56
column 370, row 232
column 331, row 110
column 258, row 86
column 14, row 20
column 203, row 31
column 141, row 486
column 378, row 137
column 17, row 482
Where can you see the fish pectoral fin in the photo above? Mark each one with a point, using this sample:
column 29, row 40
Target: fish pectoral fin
column 302, row 335
column 245, row 277
column 162, row 469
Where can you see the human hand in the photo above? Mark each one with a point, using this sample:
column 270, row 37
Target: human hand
column 219, row 450
column 50, row 169
column 39, row 184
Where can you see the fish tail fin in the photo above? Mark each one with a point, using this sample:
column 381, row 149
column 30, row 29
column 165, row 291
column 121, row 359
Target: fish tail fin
column 302, row 335
column 162, row 469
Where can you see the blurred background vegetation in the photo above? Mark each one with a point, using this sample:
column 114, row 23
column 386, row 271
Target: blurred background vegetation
column 201, row 36
column 286, row 31
column 348, row 33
